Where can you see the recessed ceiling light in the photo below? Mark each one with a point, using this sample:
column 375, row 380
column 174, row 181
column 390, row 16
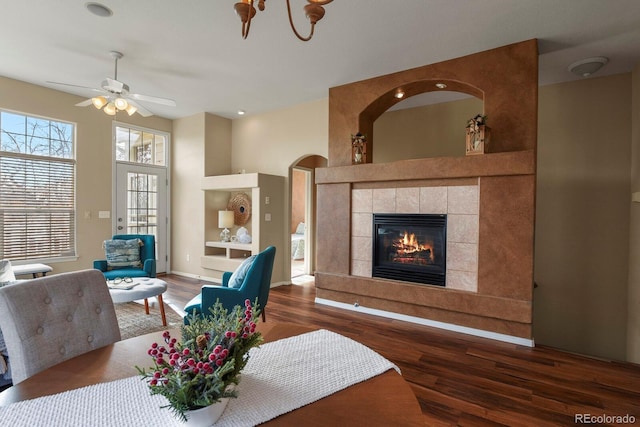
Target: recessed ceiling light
column 399, row 94
column 98, row 9
column 441, row 85
column 586, row 67
column 241, row 112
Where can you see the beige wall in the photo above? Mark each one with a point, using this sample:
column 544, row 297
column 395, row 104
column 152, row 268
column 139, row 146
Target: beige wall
column 421, row 132
column 93, row 153
column 202, row 147
column 582, row 216
column 272, row 142
column 633, row 307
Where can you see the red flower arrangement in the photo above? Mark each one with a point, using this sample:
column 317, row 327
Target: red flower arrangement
column 200, row 370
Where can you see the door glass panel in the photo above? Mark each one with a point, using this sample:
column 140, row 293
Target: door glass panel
column 142, row 209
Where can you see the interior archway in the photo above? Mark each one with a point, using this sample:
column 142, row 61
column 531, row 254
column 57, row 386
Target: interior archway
column 302, row 201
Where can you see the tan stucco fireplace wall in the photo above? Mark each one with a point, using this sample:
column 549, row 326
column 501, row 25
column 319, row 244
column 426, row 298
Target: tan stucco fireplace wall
column 501, row 300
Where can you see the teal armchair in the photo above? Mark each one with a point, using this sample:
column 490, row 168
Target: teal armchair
column 147, row 257
column 256, row 284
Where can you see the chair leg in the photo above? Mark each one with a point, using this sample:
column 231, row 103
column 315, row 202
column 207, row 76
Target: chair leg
column 164, row 318
column 146, row 306
column 264, row 317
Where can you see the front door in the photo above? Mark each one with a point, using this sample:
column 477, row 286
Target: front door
column 141, row 205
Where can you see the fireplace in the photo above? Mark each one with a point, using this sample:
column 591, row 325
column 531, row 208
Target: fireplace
column 410, row 247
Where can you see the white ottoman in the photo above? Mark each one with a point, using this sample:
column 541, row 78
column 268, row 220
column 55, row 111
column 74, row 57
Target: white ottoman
column 142, row 288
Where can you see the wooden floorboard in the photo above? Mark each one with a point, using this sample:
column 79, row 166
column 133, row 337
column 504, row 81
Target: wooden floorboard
column 463, row 380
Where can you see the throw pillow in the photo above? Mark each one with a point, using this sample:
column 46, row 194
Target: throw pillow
column 6, row 273
column 123, row 253
column 236, row 279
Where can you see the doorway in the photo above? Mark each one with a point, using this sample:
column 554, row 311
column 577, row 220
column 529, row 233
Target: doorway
column 303, row 217
column 141, row 205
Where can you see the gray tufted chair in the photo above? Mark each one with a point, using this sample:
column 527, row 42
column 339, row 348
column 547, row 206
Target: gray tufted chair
column 51, row 319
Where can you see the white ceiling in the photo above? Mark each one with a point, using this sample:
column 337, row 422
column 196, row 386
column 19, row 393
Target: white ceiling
column 192, row 51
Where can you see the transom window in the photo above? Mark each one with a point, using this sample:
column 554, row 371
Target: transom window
column 140, row 146
column 37, row 187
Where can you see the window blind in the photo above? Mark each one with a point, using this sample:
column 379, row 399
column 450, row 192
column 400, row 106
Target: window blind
column 37, row 207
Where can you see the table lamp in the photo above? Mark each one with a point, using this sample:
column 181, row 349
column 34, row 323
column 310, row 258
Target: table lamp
column 225, row 220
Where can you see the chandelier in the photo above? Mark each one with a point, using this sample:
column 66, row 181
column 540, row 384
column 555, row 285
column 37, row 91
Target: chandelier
column 314, row 12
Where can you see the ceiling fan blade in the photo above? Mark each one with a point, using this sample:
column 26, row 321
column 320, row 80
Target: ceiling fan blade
column 78, row 86
column 156, row 100
column 85, row 103
column 140, row 109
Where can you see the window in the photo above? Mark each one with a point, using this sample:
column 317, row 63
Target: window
column 140, row 146
column 37, row 187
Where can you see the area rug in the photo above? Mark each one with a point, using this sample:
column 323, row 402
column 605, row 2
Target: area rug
column 133, row 320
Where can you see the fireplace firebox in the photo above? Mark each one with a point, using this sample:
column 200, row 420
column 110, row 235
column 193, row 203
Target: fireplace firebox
column 410, row 247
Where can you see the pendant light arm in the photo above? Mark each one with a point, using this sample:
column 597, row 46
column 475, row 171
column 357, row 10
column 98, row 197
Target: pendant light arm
column 293, row 27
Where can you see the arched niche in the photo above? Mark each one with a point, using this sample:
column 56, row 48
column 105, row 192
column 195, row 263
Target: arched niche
column 504, row 78
column 431, row 124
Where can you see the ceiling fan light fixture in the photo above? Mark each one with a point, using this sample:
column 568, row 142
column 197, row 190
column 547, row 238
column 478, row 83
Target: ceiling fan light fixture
column 131, row 110
column 121, row 103
column 110, row 109
column 99, row 101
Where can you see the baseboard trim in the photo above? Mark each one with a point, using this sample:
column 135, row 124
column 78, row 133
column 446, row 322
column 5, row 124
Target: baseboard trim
column 426, row 322
column 195, row 276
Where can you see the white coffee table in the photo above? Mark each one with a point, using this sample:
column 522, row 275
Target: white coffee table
column 145, row 287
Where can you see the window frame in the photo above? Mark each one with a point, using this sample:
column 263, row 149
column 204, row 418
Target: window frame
column 72, row 253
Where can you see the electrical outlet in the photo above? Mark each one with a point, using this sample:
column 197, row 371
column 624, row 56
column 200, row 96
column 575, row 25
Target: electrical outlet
column 267, row 200
column 267, row 217
column 188, row 258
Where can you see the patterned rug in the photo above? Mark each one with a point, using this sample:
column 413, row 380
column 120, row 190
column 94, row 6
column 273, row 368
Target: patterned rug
column 133, row 321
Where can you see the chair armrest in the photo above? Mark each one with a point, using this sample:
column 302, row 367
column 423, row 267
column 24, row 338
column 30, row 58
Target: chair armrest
column 225, row 278
column 150, row 267
column 100, row 264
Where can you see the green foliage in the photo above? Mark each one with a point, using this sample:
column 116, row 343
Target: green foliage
column 204, row 366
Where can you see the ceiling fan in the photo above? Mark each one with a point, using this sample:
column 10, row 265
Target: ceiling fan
column 116, row 96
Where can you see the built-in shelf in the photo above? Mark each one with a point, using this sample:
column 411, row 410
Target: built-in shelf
column 232, row 249
column 266, row 225
column 225, row 256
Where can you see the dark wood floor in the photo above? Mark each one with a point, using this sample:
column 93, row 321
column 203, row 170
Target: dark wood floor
column 463, row 380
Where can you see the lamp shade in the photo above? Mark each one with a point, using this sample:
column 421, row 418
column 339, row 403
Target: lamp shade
column 121, row 103
column 110, row 109
column 225, row 219
column 99, row 101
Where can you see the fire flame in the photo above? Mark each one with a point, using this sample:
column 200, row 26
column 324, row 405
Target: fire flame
column 408, row 245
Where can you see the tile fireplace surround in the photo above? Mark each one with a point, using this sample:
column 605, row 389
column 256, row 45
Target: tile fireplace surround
column 490, row 203
column 490, row 199
column 459, row 203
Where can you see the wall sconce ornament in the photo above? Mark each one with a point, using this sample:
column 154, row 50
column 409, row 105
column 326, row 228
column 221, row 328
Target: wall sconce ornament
column 478, row 135
column 240, row 204
column 358, row 148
